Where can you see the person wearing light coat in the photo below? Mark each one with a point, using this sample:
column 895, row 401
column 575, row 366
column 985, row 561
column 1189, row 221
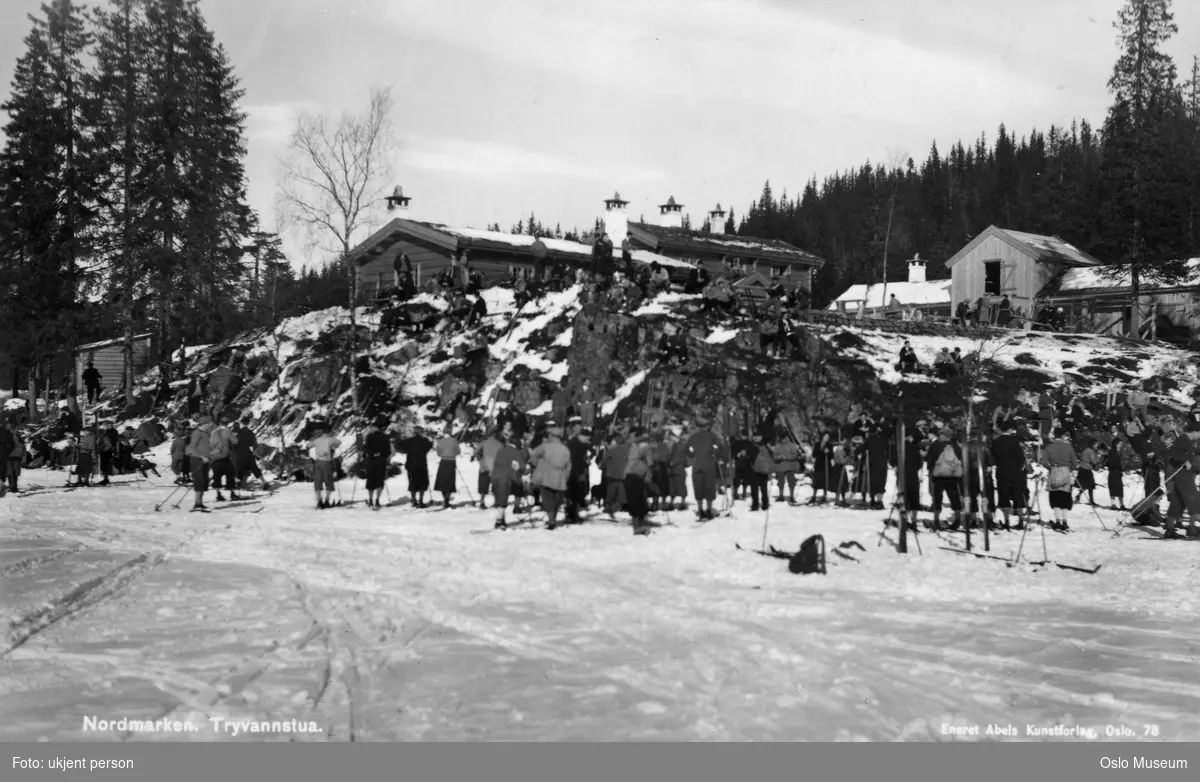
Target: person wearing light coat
column 551, row 466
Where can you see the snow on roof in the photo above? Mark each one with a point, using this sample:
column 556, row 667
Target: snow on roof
column 556, row 245
column 110, row 343
column 933, row 292
column 1052, row 245
column 1092, row 278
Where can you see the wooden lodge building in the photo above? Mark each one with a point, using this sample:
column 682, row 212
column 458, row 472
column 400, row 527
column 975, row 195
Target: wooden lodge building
column 432, row 248
column 753, row 264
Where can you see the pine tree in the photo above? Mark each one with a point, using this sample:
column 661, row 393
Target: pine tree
column 1140, row 177
column 730, row 223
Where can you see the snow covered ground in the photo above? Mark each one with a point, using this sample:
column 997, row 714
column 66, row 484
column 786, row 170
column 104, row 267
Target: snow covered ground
column 404, row 625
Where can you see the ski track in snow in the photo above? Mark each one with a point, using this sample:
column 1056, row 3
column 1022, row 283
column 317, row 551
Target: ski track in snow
column 400, row 625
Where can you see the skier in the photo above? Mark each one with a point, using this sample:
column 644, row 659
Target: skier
column 614, row 460
column 1061, row 462
column 244, row 460
column 179, row 455
column 703, row 453
column 578, row 479
column 416, row 450
column 1085, row 479
column 660, row 476
column 586, row 401
column 447, row 474
column 106, row 445
column 221, row 443
column 945, row 462
column 377, row 451
column 788, row 461
column 840, row 474
column 1182, row 497
column 511, row 460
column 822, row 469
column 551, row 462
column 322, row 450
column 638, row 469
column 1116, row 476
column 743, row 457
column 677, row 472
column 198, row 457
column 485, row 453
column 91, row 381
column 761, row 468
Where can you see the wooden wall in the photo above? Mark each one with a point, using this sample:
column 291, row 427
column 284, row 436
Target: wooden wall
column 110, row 361
column 1021, row 277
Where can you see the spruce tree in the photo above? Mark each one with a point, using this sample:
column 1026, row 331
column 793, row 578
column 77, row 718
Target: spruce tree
column 1141, row 180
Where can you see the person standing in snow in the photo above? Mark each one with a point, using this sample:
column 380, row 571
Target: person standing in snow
column 506, row 473
column 486, row 453
column 560, row 405
column 244, row 462
column 8, row 444
column 677, row 471
column 909, row 484
column 638, row 468
column 1085, row 479
column 447, row 474
column 1182, row 497
column 377, row 451
column 761, row 467
column 945, row 463
column 1060, row 461
column 551, row 461
column 91, row 381
column 578, row 481
column 613, row 462
column 1116, row 476
column 220, row 452
column 106, row 446
column 323, row 452
column 703, row 454
column 789, row 460
column 1004, row 312
column 198, row 455
column 416, row 453
column 179, row 456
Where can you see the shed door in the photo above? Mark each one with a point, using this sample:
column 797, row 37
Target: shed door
column 1008, row 277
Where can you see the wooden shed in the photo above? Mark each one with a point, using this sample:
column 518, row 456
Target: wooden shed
column 1001, row 262
column 109, row 359
column 1102, row 303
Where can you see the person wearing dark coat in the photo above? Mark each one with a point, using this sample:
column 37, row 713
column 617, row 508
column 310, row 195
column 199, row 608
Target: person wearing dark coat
column 446, row 481
column 377, row 451
column 876, row 448
column 1116, row 477
column 602, row 257
column 910, row 483
column 1182, row 497
column 578, row 480
column 822, row 473
column 91, row 381
column 1009, row 459
column 416, row 452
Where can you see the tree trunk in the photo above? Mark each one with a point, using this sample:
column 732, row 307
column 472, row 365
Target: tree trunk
column 353, row 279
column 128, row 164
column 1135, row 313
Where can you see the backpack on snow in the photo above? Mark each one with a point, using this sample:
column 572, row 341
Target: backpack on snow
column 810, row 558
column 948, row 465
column 1059, row 478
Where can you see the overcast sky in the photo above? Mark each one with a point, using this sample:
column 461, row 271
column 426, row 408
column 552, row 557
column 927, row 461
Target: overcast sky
column 507, row 106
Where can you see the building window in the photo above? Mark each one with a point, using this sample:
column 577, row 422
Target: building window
column 991, row 278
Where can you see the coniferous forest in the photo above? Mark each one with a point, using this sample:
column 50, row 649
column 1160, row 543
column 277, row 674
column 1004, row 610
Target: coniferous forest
column 123, row 202
column 1125, row 192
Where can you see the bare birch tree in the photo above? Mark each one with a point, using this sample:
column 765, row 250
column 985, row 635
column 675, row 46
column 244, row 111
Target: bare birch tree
column 332, row 177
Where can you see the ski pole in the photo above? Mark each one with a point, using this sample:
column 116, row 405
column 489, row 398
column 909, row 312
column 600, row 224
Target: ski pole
column 766, row 523
column 466, row 488
column 168, row 498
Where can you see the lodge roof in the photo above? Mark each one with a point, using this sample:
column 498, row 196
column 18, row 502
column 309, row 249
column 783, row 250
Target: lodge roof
column 1039, row 247
column 681, row 240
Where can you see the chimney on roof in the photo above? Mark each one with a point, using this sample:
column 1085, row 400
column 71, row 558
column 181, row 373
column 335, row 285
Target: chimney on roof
column 670, row 214
column 616, row 221
column 398, row 202
column 716, row 220
column 916, row 269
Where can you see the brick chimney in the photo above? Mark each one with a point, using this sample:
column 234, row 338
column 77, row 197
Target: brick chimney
column 397, row 202
column 916, row 269
column 616, row 220
column 670, row 214
column 716, row 220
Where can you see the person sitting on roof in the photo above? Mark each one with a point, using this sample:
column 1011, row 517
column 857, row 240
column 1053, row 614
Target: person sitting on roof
column 894, row 308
